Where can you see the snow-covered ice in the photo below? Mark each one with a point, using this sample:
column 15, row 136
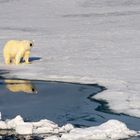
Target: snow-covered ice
column 84, row 41
column 111, row 129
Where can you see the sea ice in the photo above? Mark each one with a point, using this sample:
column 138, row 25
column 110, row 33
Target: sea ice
column 112, row 129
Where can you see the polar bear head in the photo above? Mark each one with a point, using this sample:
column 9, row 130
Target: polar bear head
column 29, row 44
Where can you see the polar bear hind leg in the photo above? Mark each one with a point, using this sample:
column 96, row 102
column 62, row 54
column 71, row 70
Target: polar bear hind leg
column 7, row 58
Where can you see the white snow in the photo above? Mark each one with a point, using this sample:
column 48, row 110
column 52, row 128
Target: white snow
column 45, row 126
column 82, row 41
column 3, row 125
column 111, row 129
column 12, row 124
column 24, row 129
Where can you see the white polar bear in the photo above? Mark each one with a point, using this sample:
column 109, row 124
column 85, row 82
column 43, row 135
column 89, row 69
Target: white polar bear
column 15, row 50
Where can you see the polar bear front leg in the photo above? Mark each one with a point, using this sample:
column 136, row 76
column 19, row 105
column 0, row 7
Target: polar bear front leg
column 13, row 60
column 26, row 57
column 18, row 58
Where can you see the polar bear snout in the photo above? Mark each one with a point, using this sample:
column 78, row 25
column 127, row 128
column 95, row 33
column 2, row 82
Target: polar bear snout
column 31, row 44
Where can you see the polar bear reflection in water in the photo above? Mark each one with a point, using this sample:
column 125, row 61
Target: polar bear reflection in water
column 20, row 86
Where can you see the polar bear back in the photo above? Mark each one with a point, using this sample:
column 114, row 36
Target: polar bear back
column 12, row 47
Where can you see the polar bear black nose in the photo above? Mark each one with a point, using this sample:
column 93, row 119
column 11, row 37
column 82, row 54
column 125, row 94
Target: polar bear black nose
column 31, row 44
column 33, row 89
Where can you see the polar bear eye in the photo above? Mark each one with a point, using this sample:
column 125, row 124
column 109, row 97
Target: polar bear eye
column 31, row 44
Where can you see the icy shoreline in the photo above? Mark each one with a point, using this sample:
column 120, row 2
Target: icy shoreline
column 48, row 130
column 115, row 89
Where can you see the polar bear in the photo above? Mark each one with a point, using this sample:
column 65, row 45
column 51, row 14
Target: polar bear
column 15, row 50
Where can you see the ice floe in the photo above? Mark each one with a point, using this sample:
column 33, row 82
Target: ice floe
column 112, row 129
